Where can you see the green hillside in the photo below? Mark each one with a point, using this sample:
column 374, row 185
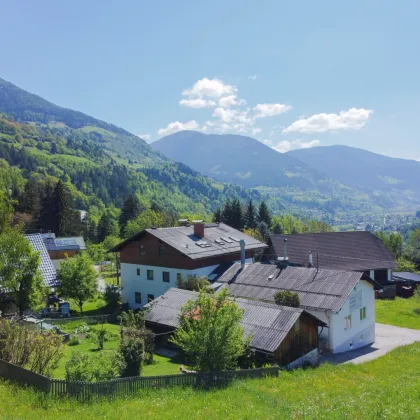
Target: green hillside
column 71, row 155
column 103, row 162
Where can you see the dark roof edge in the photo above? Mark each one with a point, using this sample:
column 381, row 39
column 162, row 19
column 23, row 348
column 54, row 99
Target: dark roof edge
column 374, row 283
column 125, row 242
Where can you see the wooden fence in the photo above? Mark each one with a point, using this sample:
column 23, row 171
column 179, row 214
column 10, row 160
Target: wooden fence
column 87, row 391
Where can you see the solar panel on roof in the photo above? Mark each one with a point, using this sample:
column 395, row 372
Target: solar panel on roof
column 220, row 242
column 234, row 239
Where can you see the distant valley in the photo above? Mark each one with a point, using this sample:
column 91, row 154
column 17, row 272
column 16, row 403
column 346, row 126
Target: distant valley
column 330, row 180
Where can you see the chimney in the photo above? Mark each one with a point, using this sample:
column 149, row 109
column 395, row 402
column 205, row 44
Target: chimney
column 310, row 260
column 242, row 245
column 199, row 229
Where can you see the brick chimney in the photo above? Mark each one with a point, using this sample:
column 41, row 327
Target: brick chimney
column 199, row 229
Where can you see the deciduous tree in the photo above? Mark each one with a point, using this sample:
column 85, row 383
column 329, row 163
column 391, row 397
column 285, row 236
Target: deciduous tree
column 210, row 332
column 78, row 279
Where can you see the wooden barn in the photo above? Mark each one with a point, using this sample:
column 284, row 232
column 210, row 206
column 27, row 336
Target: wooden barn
column 279, row 333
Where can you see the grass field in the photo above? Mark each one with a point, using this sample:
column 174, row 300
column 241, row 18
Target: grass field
column 386, row 388
column 399, row 312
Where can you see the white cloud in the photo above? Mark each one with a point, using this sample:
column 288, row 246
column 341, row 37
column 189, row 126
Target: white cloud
column 256, row 131
column 231, row 100
column 176, row 126
column 352, row 119
column 284, row 146
column 270, row 110
column 144, row 136
column 213, row 88
column 197, row 103
column 233, row 115
column 253, row 77
column 268, row 142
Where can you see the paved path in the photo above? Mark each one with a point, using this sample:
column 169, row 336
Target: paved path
column 388, row 338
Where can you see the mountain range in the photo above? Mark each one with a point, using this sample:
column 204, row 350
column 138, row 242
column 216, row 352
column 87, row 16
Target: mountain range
column 333, row 178
column 194, row 172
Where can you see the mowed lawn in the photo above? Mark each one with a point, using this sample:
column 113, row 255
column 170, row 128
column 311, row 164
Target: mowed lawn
column 399, row 312
column 385, row 388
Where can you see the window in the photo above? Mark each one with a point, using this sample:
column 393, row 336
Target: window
column 348, row 321
column 150, row 298
column 363, row 313
column 165, row 276
column 162, row 250
column 138, row 271
column 137, row 298
column 142, row 250
column 149, row 274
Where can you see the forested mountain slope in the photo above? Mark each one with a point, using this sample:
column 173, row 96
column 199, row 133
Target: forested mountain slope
column 104, row 163
column 362, row 168
column 239, row 159
column 344, row 181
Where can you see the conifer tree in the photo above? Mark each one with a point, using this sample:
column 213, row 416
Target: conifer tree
column 250, row 217
column 237, row 215
column 130, row 210
column 264, row 214
column 67, row 220
column 217, row 216
column 105, row 227
column 47, row 217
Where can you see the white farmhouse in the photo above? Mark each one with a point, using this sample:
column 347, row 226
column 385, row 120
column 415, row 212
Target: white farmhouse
column 344, row 300
column 153, row 259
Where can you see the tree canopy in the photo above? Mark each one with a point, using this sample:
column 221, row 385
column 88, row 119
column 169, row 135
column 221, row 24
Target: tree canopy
column 210, row 332
column 78, row 279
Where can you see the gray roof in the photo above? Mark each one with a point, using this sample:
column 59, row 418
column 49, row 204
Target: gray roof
column 219, row 239
column 322, row 290
column 76, row 243
column 406, row 276
column 46, row 266
column 267, row 324
column 353, row 251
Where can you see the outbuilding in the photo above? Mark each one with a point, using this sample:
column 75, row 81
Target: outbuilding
column 288, row 336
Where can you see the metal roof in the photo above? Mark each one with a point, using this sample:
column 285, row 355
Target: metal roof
column 353, row 251
column 318, row 289
column 76, row 243
column 46, row 266
column 267, row 324
column 406, row 276
column 219, row 239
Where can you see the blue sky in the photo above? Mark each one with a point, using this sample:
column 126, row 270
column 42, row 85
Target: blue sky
column 292, row 74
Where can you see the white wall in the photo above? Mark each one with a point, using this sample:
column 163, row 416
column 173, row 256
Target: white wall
column 362, row 332
column 336, row 337
column 132, row 283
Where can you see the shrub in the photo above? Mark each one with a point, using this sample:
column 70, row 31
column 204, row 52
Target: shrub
column 195, row 283
column 132, row 351
column 287, row 298
column 82, row 329
column 74, row 340
column 38, row 351
column 112, row 297
column 94, row 367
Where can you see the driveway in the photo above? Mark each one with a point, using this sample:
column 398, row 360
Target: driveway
column 388, row 338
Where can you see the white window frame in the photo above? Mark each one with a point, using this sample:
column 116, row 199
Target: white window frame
column 347, row 320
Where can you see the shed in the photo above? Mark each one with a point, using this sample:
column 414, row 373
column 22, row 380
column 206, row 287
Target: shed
column 280, row 333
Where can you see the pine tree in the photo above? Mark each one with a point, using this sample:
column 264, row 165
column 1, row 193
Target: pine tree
column 237, row 215
column 264, row 214
column 92, row 231
column 105, row 227
column 217, row 216
column 227, row 216
column 130, row 210
column 47, row 217
column 66, row 216
column 250, row 217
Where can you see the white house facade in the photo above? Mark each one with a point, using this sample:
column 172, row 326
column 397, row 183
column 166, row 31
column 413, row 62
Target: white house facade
column 353, row 326
column 152, row 260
